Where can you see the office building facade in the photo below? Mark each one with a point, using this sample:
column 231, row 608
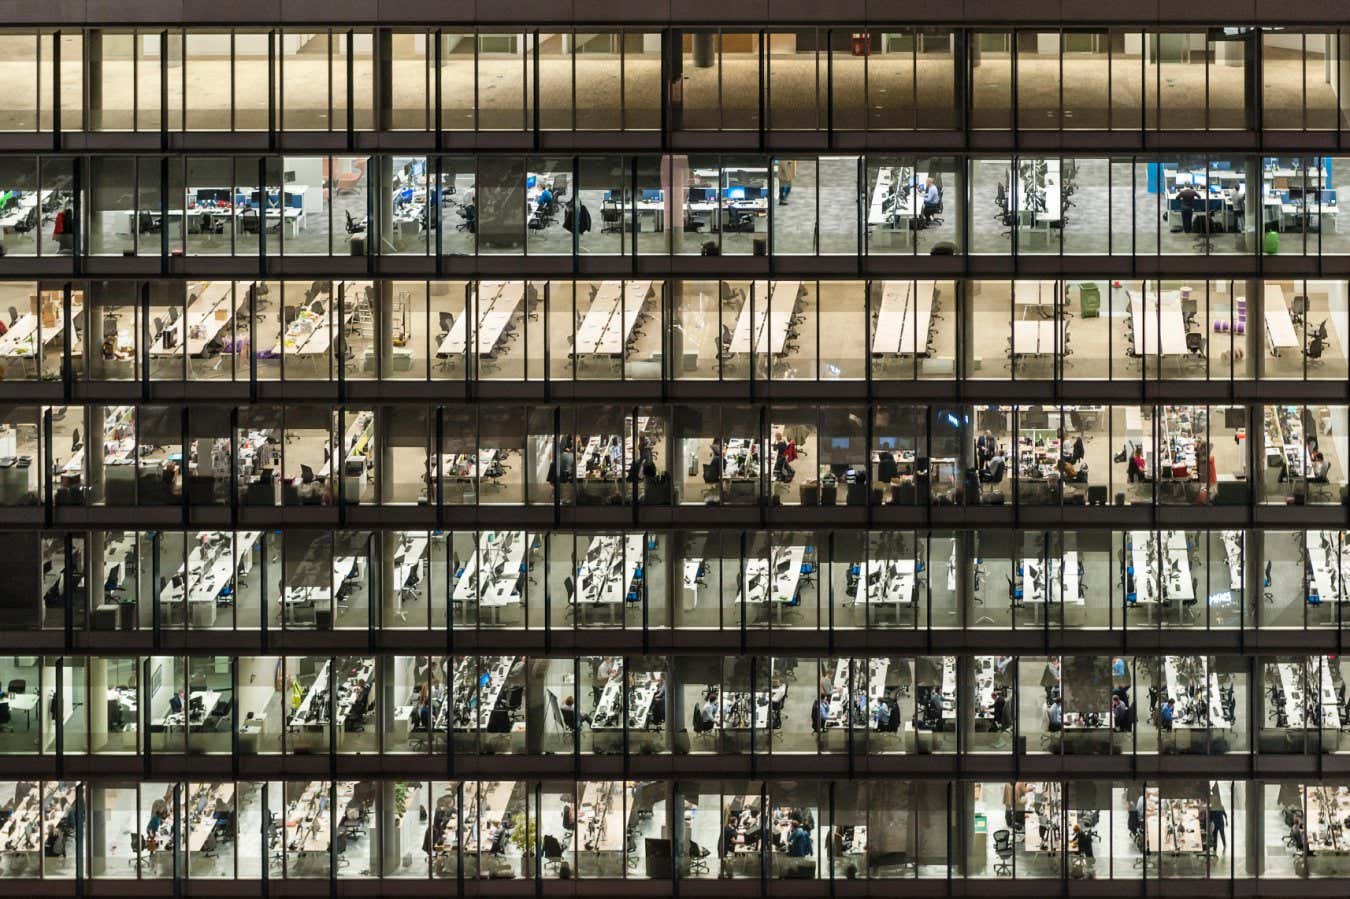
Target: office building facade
column 708, row 451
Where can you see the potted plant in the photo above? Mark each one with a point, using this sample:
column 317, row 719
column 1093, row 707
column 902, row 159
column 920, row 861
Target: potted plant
column 523, row 839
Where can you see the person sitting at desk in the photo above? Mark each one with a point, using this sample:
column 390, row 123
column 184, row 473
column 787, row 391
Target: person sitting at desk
column 1187, row 198
column 1166, row 713
column 568, row 710
column 932, row 200
column 177, row 702
column 1055, row 716
column 545, row 198
column 1320, row 468
column 1298, row 836
column 55, row 844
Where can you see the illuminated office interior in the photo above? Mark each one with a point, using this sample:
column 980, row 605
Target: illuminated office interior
column 698, row 451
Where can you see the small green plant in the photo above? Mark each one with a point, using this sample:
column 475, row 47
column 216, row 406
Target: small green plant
column 400, row 798
column 522, row 837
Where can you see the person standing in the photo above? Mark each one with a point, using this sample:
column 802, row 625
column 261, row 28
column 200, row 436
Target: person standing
column 1187, row 197
column 787, row 173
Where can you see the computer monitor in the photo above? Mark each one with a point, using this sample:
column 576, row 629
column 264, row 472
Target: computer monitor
column 734, row 193
column 700, row 195
column 887, row 443
column 530, row 181
column 839, row 443
column 1296, row 193
column 651, row 196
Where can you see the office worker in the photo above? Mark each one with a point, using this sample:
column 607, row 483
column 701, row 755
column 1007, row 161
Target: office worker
column 1320, row 468
column 177, row 702
column 799, row 841
column 1000, row 709
column 985, row 447
column 932, row 199
column 1135, row 470
column 1120, row 714
column 1055, row 716
column 1079, row 451
column 727, row 844
column 1240, row 207
column 569, row 712
column 154, row 824
column 1187, row 197
column 1166, row 714
column 545, row 197
column 787, row 172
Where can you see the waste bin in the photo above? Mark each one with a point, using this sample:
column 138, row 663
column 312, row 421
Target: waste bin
column 1089, row 300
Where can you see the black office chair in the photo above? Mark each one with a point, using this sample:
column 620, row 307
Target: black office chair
column 306, row 474
column 27, row 223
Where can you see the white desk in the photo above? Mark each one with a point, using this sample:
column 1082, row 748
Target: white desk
column 354, row 441
column 1036, row 337
column 775, row 303
column 209, row 571
column 1041, row 294
column 497, row 304
column 213, row 305
column 890, row 203
column 492, row 574
column 1159, row 324
column 889, row 582
column 774, row 579
column 1174, row 561
column 343, row 566
column 22, row 337
column 1037, row 581
column 606, row 573
column 1181, row 674
column 612, row 315
column 311, row 333
column 1280, row 330
column 1328, row 566
column 905, row 317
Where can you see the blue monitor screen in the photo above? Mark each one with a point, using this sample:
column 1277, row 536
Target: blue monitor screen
column 529, row 181
column 651, row 196
column 839, row 443
column 735, row 193
column 886, row 443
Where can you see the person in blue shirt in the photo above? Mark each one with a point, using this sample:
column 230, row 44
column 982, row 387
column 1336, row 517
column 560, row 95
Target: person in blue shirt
column 932, row 199
column 1167, row 713
column 799, row 841
column 545, row 197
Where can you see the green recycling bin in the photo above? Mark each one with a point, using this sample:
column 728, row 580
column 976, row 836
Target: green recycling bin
column 1089, row 300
